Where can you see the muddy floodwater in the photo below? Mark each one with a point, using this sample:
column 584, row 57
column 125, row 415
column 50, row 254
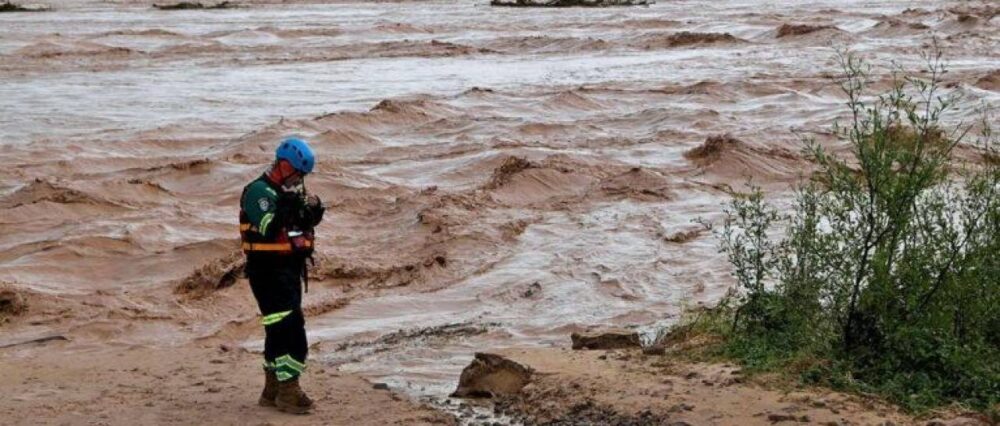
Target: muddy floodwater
column 496, row 177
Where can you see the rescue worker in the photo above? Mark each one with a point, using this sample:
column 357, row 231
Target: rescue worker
column 277, row 219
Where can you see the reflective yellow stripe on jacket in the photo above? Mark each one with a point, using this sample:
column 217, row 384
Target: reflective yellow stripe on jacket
column 263, row 224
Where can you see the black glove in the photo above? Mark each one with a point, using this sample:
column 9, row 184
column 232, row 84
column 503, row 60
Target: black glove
column 313, row 211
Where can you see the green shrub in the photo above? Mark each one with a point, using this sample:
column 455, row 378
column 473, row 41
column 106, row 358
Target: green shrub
column 887, row 276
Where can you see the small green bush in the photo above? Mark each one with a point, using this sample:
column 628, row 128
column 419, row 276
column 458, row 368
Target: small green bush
column 886, row 278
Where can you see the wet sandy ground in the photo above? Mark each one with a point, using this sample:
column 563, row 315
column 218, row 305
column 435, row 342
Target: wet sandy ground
column 625, row 387
column 496, row 177
column 184, row 386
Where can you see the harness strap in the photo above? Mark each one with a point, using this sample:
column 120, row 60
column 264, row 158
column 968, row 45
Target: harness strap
column 267, row 246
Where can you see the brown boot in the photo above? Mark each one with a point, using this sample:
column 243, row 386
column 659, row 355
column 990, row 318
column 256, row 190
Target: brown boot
column 291, row 398
column 270, row 389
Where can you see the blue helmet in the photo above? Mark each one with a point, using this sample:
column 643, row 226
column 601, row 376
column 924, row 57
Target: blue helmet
column 297, row 152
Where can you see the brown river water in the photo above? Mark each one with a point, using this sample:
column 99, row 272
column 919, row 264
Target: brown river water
column 496, row 177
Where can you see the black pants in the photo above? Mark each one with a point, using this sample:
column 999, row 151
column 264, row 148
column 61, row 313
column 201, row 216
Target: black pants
column 277, row 286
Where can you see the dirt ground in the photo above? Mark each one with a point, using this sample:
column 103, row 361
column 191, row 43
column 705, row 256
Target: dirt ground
column 626, row 387
column 182, row 386
column 219, row 385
